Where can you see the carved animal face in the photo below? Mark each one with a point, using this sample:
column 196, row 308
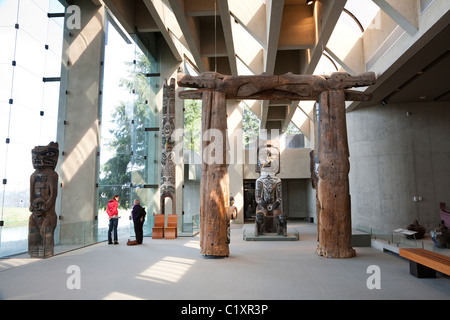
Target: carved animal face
column 269, row 159
column 209, row 80
column 45, row 156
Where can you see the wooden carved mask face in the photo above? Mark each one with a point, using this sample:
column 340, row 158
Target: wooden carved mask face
column 45, row 156
column 269, row 159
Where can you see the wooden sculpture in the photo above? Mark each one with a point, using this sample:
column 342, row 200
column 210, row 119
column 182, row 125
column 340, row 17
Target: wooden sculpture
column 441, row 236
column 268, row 194
column 415, row 226
column 167, row 144
column 333, row 193
column 334, row 217
column 214, row 183
column 287, row 87
column 43, row 192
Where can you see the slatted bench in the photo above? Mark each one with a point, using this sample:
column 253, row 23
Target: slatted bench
column 424, row 263
column 158, row 229
column 172, row 224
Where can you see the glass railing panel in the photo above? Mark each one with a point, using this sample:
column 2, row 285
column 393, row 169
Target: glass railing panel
column 18, row 241
column 399, row 240
column 190, row 225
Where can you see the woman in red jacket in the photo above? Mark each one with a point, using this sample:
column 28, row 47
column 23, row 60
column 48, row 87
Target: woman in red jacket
column 113, row 215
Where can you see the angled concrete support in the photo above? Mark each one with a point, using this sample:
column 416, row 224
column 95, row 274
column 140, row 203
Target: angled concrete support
column 78, row 125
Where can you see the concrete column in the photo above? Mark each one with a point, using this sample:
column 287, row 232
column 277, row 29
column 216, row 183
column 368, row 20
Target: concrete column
column 78, row 126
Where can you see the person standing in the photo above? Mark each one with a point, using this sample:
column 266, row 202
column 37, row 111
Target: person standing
column 138, row 214
column 113, row 215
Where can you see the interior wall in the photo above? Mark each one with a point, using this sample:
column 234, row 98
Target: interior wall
column 294, row 164
column 296, row 202
column 398, row 152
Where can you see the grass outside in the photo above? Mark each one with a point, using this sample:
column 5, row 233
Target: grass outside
column 15, row 217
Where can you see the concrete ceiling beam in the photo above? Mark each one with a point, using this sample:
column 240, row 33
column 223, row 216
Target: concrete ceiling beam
column 191, row 31
column 399, row 13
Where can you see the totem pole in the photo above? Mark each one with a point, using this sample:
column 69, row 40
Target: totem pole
column 43, row 192
column 167, row 144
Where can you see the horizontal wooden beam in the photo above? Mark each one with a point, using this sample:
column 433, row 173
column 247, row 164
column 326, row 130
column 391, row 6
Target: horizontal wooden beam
column 287, row 87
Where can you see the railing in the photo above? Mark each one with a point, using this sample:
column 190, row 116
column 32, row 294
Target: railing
column 67, row 237
column 399, row 240
column 71, row 236
column 190, row 226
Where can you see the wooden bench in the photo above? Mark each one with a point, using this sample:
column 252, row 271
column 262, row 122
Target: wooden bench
column 158, row 229
column 424, row 263
column 172, row 225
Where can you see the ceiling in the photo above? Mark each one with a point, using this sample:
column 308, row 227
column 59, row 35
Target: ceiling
column 228, row 36
column 423, row 76
column 277, row 36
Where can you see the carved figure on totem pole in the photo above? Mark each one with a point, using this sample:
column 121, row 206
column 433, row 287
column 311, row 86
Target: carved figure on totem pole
column 268, row 194
column 43, row 192
column 167, row 144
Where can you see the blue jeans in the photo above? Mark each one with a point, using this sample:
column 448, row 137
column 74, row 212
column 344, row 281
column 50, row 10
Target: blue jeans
column 113, row 222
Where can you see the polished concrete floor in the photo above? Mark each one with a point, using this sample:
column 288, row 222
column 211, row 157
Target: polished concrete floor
column 256, row 270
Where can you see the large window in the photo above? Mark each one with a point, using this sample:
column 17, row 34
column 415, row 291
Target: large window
column 30, row 67
column 250, row 127
column 129, row 132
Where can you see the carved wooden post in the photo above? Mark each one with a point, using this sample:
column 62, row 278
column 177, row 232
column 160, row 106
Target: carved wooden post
column 214, row 184
column 334, row 212
column 43, row 192
column 167, row 144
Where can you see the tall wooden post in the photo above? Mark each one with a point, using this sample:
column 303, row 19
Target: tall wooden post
column 168, row 176
column 214, row 184
column 334, row 211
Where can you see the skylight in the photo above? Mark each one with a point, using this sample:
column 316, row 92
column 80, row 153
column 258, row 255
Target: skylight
column 364, row 10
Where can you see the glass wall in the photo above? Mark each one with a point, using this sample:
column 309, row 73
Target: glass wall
column 294, row 137
column 250, row 127
column 192, row 161
column 30, row 70
column 129, row 132
column 30, row 67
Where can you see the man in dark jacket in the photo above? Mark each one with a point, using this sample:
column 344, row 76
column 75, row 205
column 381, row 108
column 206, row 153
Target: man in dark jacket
column 138, row 214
